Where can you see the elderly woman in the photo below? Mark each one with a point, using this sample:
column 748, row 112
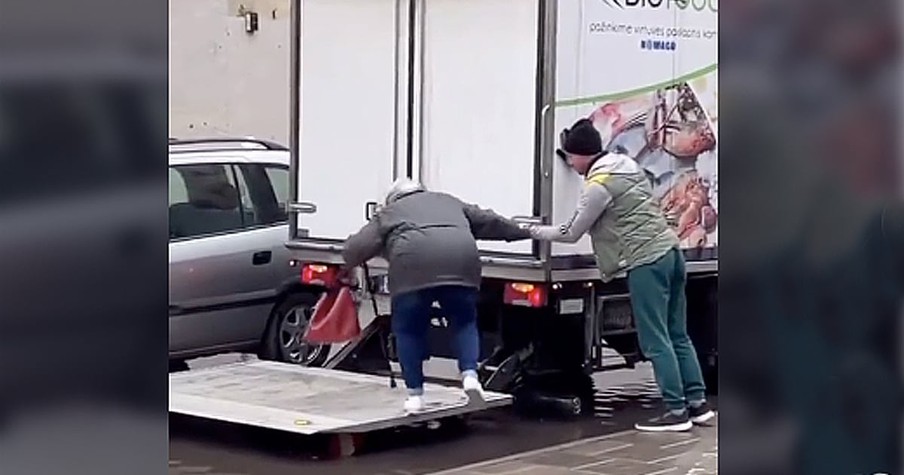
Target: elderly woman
column 429, row 240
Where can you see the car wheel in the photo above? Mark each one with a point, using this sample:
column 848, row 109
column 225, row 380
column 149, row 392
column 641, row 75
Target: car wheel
column 284, row 340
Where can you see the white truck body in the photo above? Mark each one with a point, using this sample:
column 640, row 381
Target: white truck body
column 469, row 96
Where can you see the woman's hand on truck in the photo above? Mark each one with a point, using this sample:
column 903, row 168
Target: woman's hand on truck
column 531, row 228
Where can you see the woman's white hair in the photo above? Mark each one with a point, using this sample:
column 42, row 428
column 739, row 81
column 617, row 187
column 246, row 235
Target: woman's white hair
column 401, row 187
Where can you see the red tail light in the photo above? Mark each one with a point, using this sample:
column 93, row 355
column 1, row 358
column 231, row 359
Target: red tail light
column 319, row 274
column 527, row 295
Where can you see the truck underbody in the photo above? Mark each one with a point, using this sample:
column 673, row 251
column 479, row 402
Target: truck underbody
column 541, row 340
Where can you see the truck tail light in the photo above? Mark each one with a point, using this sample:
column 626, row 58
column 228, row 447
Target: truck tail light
column 526, row 295
column 319, row 274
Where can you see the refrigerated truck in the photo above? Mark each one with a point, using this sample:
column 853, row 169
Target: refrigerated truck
column 469, row 97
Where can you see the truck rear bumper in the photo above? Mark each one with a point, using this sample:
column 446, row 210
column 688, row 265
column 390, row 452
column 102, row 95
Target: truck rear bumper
column 495, row 266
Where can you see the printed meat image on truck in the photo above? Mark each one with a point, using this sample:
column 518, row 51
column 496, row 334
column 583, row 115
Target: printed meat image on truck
column 668, row 133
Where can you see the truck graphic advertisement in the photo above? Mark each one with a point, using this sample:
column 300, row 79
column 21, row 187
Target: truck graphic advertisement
column 646, row 73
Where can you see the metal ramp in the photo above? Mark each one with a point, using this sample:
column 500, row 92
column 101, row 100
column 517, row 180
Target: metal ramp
column 308, row 401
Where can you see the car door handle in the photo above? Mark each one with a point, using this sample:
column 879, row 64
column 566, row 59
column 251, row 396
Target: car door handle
column 261, row 258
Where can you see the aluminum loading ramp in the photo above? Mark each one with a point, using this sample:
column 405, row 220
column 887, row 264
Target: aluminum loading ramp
column 309, row 401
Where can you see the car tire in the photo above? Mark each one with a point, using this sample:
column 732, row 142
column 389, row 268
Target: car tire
column 288, row 323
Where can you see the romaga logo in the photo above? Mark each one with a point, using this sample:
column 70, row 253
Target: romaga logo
column 695, row 5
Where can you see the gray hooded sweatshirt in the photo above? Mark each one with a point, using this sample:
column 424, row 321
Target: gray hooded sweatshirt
column 429, row 240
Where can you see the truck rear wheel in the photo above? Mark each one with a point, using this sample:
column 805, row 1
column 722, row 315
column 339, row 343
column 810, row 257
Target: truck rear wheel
column 284, row 337
column 566, row 393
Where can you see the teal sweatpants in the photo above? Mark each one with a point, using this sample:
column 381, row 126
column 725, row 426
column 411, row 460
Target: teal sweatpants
column 660, row 314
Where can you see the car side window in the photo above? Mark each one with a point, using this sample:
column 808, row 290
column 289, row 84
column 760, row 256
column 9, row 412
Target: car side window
column 279, row 180
column 248, row 207
column 266, row 205
column 177, row 190
column 203, row 200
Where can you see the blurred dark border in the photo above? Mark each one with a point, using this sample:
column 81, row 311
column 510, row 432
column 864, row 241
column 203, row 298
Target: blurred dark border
column 83, row 237
column 812, row 237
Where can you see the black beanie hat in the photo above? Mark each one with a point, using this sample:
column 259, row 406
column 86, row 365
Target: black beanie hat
column 582, row 139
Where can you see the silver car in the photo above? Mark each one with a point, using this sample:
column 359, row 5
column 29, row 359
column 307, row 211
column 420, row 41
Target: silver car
column 231, row 284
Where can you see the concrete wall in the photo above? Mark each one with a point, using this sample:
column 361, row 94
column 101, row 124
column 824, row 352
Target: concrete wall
column 224, row 81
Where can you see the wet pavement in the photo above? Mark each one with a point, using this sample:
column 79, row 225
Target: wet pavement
column 495, row 442
column 623, row 453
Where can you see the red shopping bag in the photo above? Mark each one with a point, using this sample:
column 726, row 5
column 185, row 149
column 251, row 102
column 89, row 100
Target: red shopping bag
column 335, row 318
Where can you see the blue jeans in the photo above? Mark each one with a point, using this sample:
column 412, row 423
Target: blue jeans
column 411, row 322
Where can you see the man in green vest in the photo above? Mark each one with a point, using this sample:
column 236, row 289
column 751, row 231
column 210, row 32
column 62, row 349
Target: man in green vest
column 630, row 235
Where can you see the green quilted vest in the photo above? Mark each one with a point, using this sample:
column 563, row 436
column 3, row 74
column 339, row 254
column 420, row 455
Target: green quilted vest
column 632, row 231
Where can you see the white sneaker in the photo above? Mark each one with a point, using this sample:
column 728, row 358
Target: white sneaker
column 473, row 389
column 414, row 404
